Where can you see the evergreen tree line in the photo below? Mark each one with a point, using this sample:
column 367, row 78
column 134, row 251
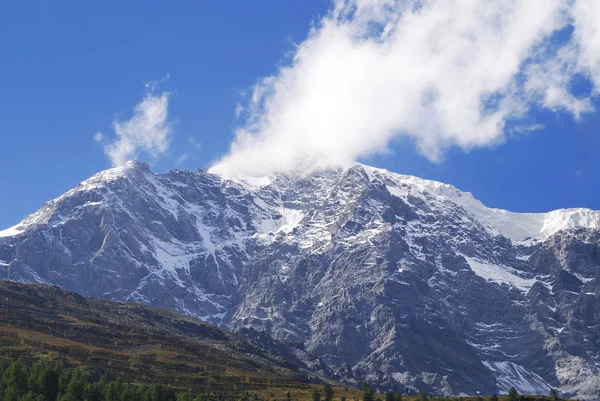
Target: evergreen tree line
column 23, row 381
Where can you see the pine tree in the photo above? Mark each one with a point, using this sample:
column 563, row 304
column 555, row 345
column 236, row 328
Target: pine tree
column 63, row 381
column 513, row 395
column 14, row 383
column 554, row 394
column 494, row 398
column 76, row 386
column 367, row 393
column 48, row 382
column 184, row 397
column 328, row 392
column 94, row 391
column 10, row 394
column 423, row 396
column 111, row 392
column 316, row 395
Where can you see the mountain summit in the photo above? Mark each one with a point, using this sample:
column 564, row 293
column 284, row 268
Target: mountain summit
column 409, row 284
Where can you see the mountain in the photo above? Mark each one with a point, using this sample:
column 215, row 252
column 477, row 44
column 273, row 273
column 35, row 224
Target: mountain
column 143, row 344
column 409, row 284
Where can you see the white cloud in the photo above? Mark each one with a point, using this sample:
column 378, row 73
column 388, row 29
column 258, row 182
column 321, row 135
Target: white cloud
column 181, row 159
column 239, row 109
column 98, row 137
column 194, row 143
column 148, row 130
column 443, row 72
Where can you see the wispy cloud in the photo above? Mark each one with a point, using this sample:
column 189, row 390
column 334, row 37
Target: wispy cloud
column 447, row 73
column 193, row 142
column 148, row 130
column 182, row 159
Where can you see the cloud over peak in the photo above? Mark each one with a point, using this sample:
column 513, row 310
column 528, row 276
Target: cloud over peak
column 442, row 72
column 148, row 130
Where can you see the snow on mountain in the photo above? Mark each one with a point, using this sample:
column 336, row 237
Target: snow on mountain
column 512, row 375
column 516, row 226
column 408, row 283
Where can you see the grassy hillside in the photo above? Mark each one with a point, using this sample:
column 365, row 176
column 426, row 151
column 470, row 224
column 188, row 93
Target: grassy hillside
column 138, row 343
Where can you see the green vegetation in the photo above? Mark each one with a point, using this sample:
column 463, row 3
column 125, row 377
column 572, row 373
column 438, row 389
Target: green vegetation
column 328, row 392
column 368, row 394
column 21, row 381
column 316, row 395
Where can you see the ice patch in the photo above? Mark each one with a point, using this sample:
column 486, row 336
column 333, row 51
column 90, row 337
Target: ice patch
column 396, row 191
column 500, row 274
column 290, row 219
column 172, row 258
column 509, row 374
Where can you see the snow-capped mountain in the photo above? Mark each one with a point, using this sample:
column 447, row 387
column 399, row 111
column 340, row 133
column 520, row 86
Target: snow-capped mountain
column 405, row 283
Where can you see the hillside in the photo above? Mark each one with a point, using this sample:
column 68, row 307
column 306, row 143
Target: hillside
column 138, row 343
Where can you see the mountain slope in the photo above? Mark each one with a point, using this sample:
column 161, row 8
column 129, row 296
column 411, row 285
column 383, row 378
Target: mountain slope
column 403, row 282
column 141, row 343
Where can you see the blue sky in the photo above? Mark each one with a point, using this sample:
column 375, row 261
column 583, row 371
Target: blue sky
column 72, row 68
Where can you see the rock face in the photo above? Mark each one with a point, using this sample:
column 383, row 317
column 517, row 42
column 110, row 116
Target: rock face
column 405, row 283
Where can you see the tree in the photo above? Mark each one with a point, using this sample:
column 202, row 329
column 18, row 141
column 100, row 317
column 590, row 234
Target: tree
column 130, row 394
column 423, row 396
column 185, row 396
column 389, row 397
column 63, row 381
column 367, row 393
column 397, row 397
column 14, row 381
column 494, row 398
column 316, row 395
column 343, row 398
column 76, row 386
column 33, row 382
column 513, row 395
column 48, row 381
column 10, row 394
column 94, row 391
column 328, row 392
column 554, row 394
column 111, row 392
